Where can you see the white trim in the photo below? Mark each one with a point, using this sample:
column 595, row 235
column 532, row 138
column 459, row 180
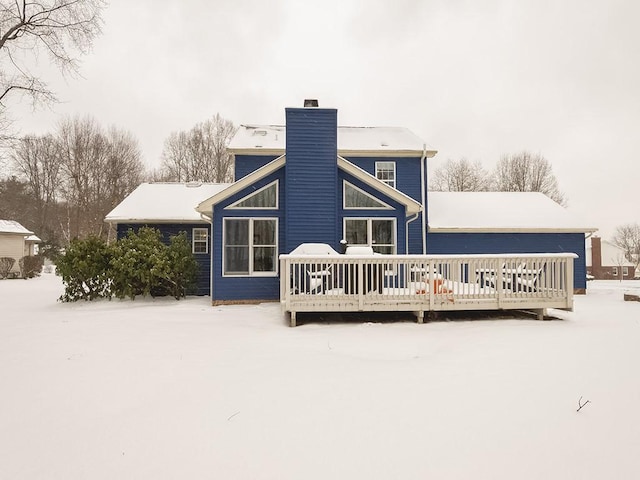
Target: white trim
column 370, row 230
column 234, row 206
column 383, row 205
column 394, row 172
column 193, row 241
column 433, row 229
column 251, row 273
column 411, row 205
column 207, row 205
column 342, row 152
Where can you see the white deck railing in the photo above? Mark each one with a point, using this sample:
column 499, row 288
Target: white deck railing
column 419, row 283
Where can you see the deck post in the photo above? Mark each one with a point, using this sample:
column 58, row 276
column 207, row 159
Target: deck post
column 292, row 319
column 420, row 315
column 541, row 313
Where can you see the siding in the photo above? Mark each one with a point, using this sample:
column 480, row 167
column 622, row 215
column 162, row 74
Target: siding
column 171, row 229
column 408, row 182
column 311, row 177
column 493, row 243
column 246, row 164
column 12, row 246
column 398, row 211
column 246, row 288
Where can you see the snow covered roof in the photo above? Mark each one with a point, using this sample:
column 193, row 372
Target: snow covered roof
column 381, row 141
column 611, row 255
column 164, row 203
column 33, row 238
column 11, row 226
column 499, row 212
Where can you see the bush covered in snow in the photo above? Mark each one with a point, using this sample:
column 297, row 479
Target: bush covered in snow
column 6, row 264
column 138, row 264
column 84, row 270
column 30, row 266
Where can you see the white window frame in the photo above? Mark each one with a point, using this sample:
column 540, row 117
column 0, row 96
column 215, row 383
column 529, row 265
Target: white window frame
column 194, row 241
column 379, row 169
column 383, row 205
column 234, row 206
column 251, row 246
column 625, row 271
column 370, row 231
column 614, row 271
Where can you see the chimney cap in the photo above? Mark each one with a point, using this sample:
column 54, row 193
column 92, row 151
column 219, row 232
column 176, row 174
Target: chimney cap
column 311, row 102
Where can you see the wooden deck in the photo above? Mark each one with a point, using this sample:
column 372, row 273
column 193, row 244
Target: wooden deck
column 419, row 283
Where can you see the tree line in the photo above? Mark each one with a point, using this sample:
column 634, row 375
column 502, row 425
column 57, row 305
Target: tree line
column 62, row 184
column 518, row 172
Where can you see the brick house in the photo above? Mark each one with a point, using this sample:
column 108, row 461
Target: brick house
column 606, row 261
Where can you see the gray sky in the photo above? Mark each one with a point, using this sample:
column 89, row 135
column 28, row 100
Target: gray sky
column 474, row 79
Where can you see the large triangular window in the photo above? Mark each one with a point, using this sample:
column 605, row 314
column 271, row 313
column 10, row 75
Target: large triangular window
column 264, row 198
column 355, row 198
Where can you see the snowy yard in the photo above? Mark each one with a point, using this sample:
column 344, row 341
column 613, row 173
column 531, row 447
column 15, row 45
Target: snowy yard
column 165, row 390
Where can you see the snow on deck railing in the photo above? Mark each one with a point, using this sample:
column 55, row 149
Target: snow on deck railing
column 419, row 283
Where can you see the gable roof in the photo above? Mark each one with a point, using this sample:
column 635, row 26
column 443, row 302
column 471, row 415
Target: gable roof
column 500, row 212
column 352, row 141
column 11, row 226
column 163, row 203
column 611, row 255
column 410, row 204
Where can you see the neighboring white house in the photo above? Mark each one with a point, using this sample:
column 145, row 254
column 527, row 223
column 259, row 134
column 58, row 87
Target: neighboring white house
column 13, row 242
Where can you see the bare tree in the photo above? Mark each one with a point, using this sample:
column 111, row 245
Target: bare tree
column 526, row 172
column 61, row 29
column 199, row 154
column 460, row 176
column 627, row 237
column 37, row 160
column 99, row 169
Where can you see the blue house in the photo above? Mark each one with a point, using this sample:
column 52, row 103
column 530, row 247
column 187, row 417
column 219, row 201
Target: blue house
column 312, row 181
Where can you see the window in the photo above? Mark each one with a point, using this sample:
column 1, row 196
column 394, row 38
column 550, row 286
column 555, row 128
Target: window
column 355, row 198
column 250, row 246
column 386, row 172
column 625, row 271
column 614, row 271
column 263, row 198
column 379, row 233
column 200, row 240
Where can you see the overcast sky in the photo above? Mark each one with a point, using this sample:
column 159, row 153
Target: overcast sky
column 474, row 79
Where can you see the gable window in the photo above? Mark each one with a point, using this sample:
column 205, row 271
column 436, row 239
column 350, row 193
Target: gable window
column 379, row 233
column 200, row 240
column 386, row 172
column 250, row 246
column 263, row 198
column 355, row 198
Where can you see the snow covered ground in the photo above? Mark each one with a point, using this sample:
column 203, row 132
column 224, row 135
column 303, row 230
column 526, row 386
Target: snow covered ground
column 158, row 389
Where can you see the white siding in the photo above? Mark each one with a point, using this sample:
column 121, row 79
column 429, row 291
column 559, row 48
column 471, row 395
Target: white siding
column 12, row 246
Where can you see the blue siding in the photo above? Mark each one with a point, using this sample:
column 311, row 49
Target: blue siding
column 246, row 164
column 246, row 288
column 408, row 182
column 171, row 229
column 311, row 177
column 494, row 243
column 398, row 211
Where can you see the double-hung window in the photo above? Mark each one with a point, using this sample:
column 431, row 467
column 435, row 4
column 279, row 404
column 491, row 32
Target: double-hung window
column 250, row 246
column 200, row 240
column 386, row 172
column 379, row 233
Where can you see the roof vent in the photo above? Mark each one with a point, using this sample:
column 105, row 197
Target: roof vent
column 260, row 133
column 311, row 102
column 193, row 184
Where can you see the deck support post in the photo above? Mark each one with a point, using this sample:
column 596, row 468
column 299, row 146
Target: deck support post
column 420, row 315
column 292, row 319
column 541, row 313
